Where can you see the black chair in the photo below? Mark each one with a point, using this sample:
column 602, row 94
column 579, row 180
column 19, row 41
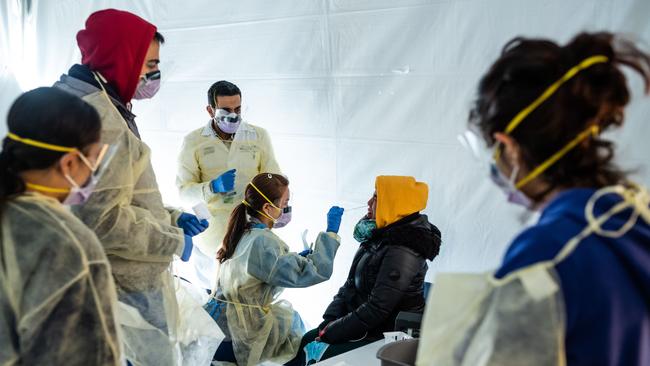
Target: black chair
column 409, row 322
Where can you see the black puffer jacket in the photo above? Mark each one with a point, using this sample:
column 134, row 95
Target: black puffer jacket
column 386, row 277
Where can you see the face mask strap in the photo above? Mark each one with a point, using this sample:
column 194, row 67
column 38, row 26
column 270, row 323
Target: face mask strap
column 57, row 148
column 40, row 144
column 586, row 63
column 93, row 167
column 259, row 212
column 516, row 121
column 262, row 194
column 40, row 188
column 589, row 132
column 85, row 160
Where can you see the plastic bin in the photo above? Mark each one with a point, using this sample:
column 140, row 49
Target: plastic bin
column 400, row 353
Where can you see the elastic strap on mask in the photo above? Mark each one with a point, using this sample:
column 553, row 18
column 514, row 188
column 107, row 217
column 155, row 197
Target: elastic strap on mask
column 586, row 63
column 58, row 148
column 516, row 121
column 262, row 194
column 589, row 132
column 40, row 144
column 259, row 212
column 40, row 188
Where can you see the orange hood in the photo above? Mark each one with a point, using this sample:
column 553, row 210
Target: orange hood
column 398, row 197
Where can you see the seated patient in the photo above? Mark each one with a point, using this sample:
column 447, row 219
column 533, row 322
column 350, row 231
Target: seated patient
column 387, row 274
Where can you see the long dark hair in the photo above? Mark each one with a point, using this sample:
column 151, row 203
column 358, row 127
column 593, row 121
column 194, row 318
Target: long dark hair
column 47, row 115
column 526, row 68
column 273, row 186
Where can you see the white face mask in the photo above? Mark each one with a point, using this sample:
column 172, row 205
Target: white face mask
column 226, row 121
column 148, row 86
column 507, row 185
column 80, row 194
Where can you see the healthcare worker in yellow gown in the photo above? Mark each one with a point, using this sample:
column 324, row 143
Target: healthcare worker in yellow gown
column 214, row 166
column 57, row 296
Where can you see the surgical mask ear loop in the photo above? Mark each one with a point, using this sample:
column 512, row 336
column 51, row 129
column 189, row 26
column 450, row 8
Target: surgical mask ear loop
column 71, row 181
column 513, row 175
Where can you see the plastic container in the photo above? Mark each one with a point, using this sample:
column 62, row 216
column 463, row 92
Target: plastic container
column 390, row 337
column 400, row 353
column 201, row 211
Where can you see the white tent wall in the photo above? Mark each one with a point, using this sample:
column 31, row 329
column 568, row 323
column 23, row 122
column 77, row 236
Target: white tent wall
column 348, row 90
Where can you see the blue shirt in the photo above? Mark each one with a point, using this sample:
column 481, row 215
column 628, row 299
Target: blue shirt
column 605, row 281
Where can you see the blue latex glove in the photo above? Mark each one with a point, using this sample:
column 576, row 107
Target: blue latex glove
column 305, row 252
column 187, row 251
column 334, row 219
column 224, row 183
column 191, row 224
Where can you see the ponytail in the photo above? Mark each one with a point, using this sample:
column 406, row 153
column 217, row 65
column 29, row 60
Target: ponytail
column 237, row 226
column 10, row 182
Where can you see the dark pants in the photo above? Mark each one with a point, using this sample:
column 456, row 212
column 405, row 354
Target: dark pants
column 332, row 350
column 225, row 352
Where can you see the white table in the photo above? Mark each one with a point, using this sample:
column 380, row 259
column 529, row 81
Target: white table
column 366, row 356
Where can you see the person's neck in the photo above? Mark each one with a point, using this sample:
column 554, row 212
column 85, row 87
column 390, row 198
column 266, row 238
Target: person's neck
column 222, row 135
column 542, row 193
column 264, row 220
column 267, row 222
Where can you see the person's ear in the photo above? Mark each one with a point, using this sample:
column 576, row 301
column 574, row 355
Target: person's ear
column 510, row 149
column 68, row 164
column 210, row 111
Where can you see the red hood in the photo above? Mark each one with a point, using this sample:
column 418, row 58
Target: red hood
column 115, row 43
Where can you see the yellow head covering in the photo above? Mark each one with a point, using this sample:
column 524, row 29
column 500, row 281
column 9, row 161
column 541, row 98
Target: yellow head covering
column 398, row 197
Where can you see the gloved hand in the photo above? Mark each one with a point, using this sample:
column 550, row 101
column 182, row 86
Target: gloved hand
column 225, row 182
column 187, row 250
column 334, row 219
column 305, row 252
column 191, row 225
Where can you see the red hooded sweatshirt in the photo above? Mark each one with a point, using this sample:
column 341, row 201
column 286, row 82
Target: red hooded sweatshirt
column 115, row 44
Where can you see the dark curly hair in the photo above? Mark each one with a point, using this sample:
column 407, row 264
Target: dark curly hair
column 596, row 95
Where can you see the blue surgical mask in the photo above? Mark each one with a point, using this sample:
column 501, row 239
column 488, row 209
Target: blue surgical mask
column 314, row 351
